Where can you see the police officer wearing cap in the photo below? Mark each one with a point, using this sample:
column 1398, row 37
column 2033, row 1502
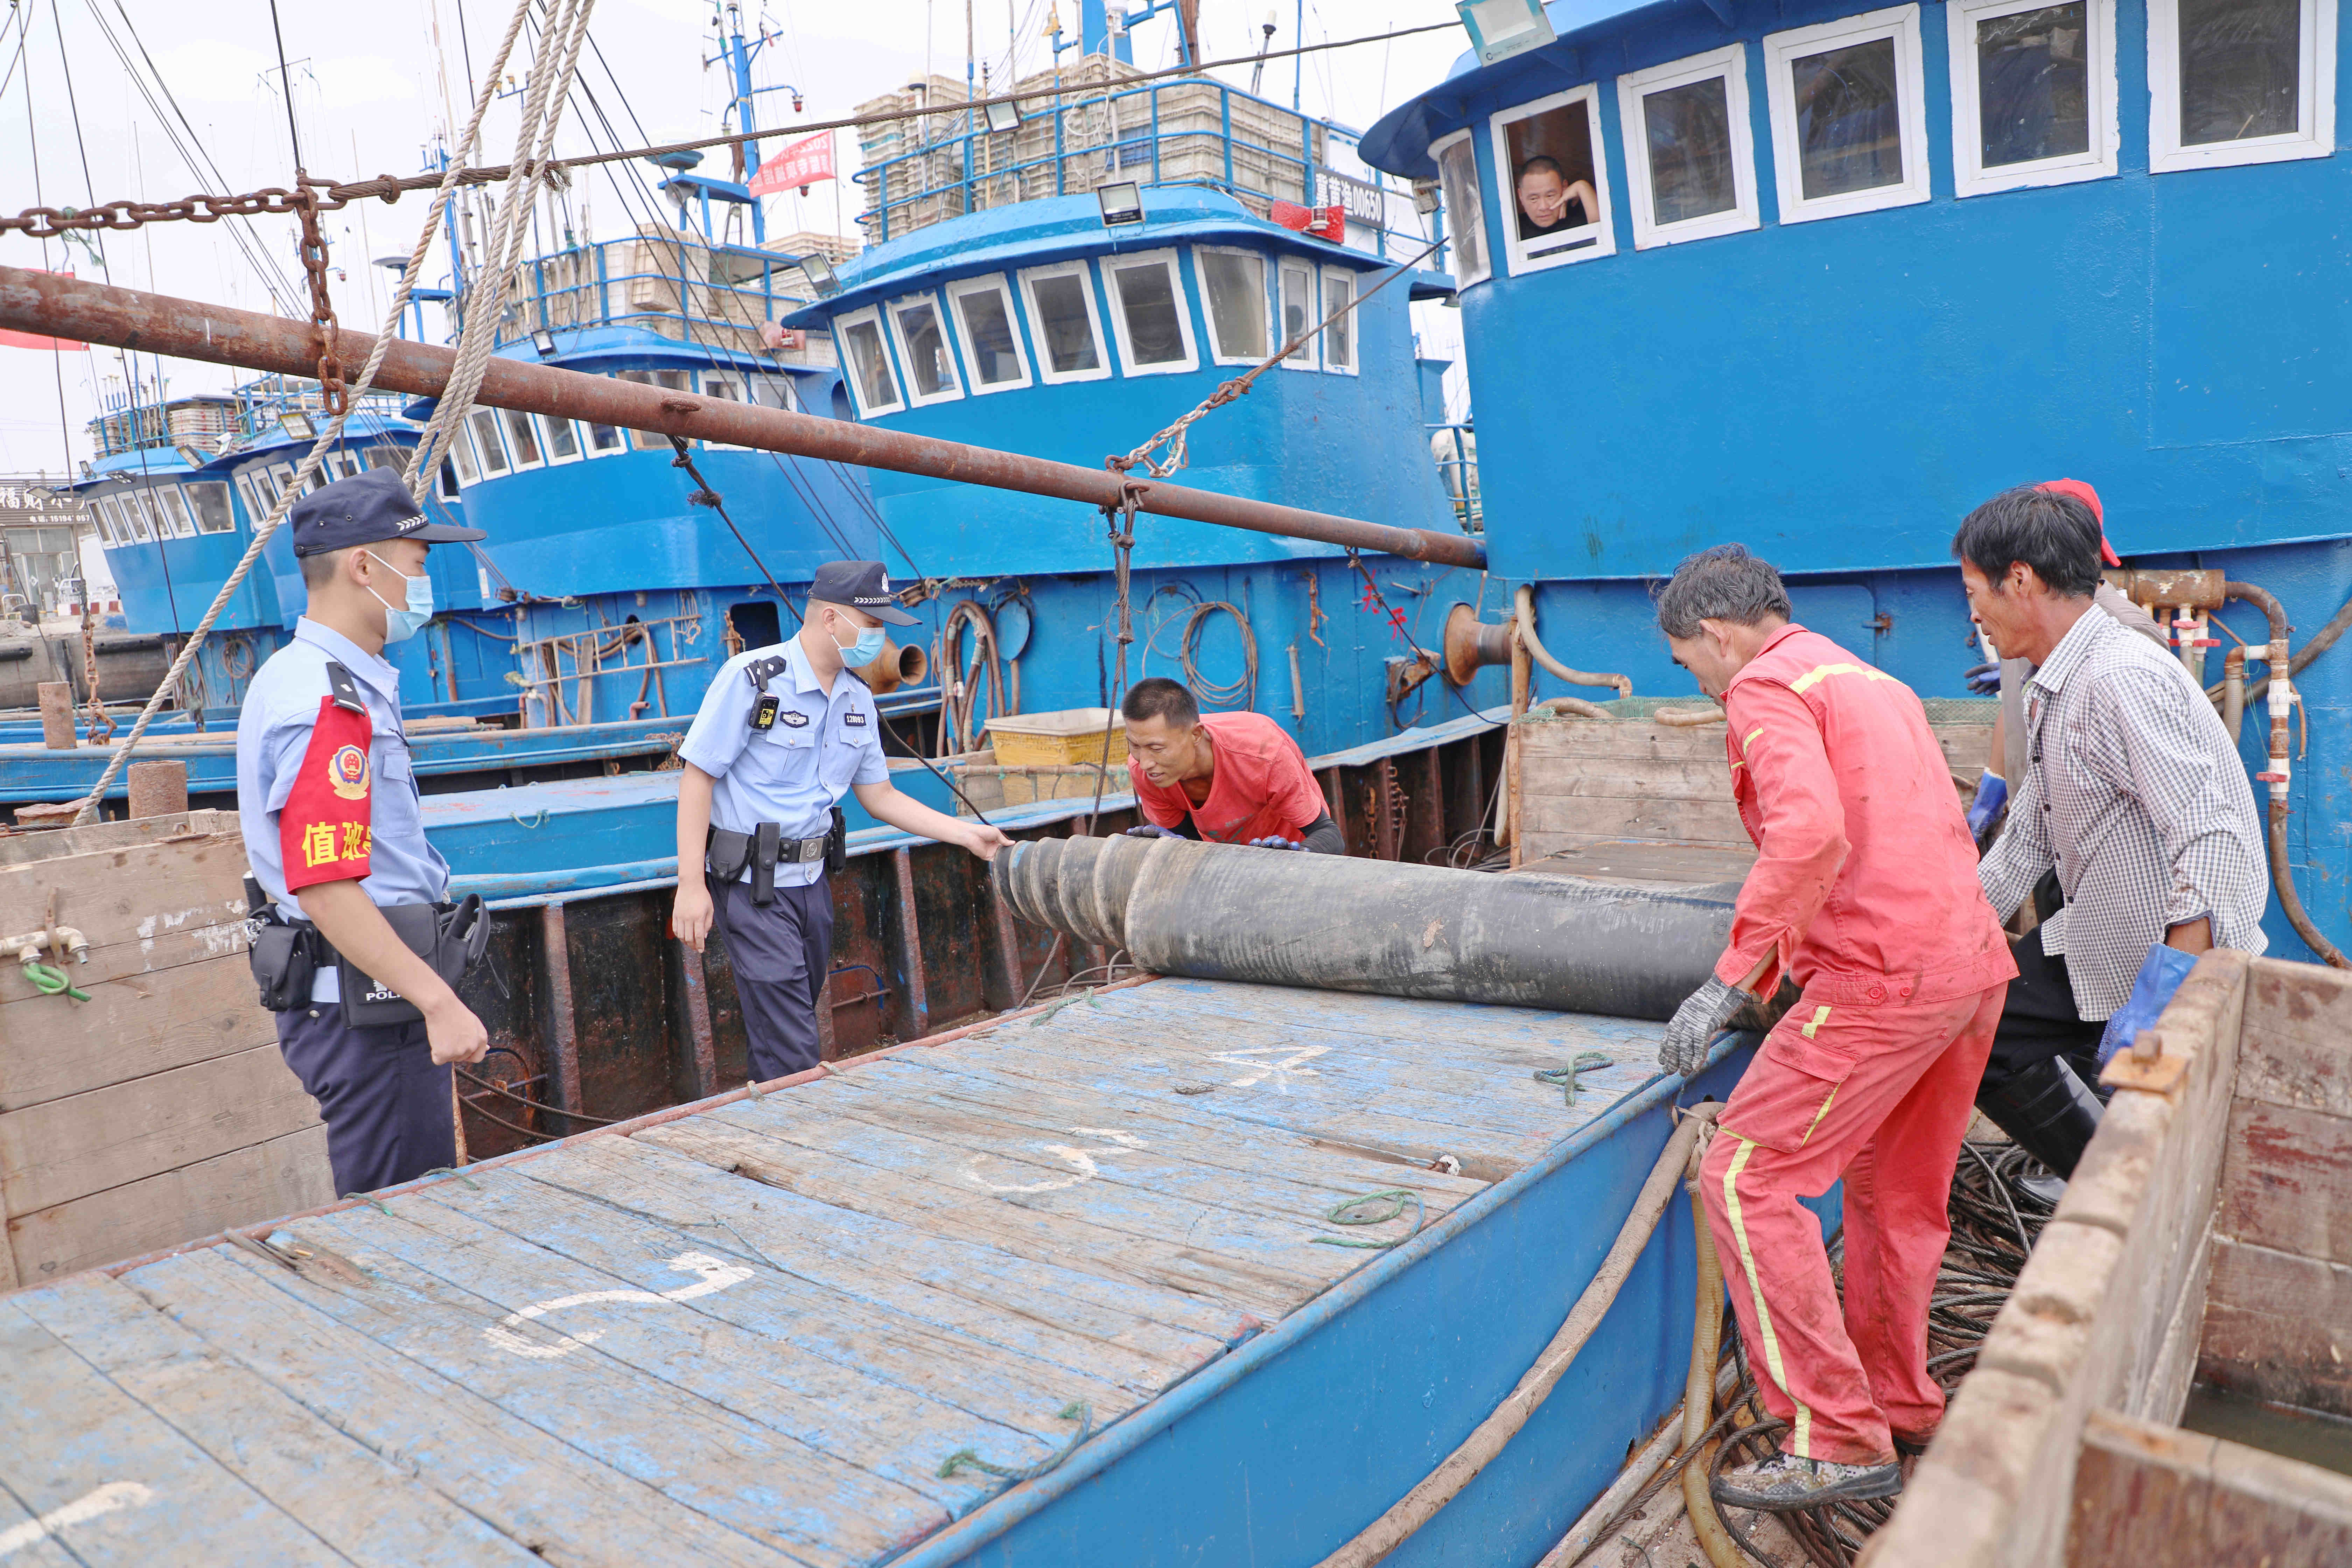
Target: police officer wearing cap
column 784, row 734
column 352, row 953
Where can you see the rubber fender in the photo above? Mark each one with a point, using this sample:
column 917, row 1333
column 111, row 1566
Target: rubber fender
column 1219, row 911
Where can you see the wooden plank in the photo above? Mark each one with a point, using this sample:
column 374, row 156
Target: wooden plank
column 854, row 1327
column 136, row 1022
column 1639, row 864
column 1545, row 741
column 698, row 1454
column 1047, row 1310
column 103, row 1138
column 369, row 1511
column 1090, row 1180
column 2286, row 1180
column 244, row 1186
column 2279, row 1326
column 504, row 1471
column 2299, row 1039
column 1585, row 819
column 123, row 894
column 1254, row 1284
column 67, row 1434
column 853, row 1429
column 2149, row 1496
column 57, row 843
column 1634, row 779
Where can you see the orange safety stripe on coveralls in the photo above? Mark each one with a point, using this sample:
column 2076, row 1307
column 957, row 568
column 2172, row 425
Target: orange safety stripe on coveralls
column 1865, row 891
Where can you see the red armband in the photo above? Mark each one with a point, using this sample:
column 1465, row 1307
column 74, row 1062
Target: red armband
column 323, row 835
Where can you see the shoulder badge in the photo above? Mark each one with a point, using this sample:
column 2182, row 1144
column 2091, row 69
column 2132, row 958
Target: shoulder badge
column 760, row 671
column 344, row 690
column 794, row 719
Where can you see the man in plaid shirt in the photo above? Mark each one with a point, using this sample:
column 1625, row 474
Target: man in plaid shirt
column 2134, row 797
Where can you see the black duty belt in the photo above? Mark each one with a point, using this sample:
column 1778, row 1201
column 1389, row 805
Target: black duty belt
column 759, row 852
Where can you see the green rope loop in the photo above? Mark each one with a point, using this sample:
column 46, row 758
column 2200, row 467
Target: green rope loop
column 52, row 981
column 1565, row 1078
column 1077, row 1410
column 1374, row 1208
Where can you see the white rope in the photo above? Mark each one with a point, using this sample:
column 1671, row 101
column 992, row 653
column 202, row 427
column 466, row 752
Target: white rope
column 91, row 803
column 560, row 36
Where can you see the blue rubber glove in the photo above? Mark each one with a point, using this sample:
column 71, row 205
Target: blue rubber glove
column 1275, row 842
column 2160, row 974
column 1151, row 830
column 1984, row 679
column 1992, row 794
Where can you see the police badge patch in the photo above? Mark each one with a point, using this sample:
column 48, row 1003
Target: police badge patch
column 347, row 772
column 793, row 718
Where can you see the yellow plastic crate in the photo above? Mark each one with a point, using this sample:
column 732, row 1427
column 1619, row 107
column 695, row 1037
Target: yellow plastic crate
column 1071, row 736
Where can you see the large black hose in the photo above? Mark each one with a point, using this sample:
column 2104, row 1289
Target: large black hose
column 1219, row 911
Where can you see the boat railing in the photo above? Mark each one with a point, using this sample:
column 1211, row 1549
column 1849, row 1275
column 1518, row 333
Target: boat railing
column 666, row 281
column 947, row 162
column 1455, row 446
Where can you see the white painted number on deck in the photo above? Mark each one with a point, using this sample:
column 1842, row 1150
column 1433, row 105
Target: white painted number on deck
column 106, row 1499
column 715, row 1274
column 1081, row 1162
column 1282, row 1073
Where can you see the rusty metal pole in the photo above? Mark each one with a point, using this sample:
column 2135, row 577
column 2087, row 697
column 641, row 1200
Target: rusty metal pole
column 54, row 305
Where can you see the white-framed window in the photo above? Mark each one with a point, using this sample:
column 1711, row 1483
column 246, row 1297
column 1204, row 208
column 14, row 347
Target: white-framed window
column 1232, row 287
column 254, row 506
column 489, row 450
column 1849, row 115
column 2239, row 81
column 281, row 478
column 1340, row 337
column 866, row 358
column 983, row 308
column 2033, row 92
column 668, row 381
column 1555, row 210
column 208, row 501
column 134, row 511
column 460, row 452
column 1295, row 294
column 174, row 506
column 384, row 455
column 774, row 392
column 558, row 440
column 1690, row 157
column 723, row 386
column 923, row 351
column 446, row 479
column 1063, row 324
column 1466, row 213
column 103, row 510
column 1149, row 312
column 522, row 439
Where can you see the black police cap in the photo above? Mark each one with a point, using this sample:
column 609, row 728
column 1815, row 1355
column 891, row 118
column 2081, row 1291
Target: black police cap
column 861, row 585
column 368, row 510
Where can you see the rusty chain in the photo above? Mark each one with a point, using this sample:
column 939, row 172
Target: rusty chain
column 322, row 305
column 52, row 223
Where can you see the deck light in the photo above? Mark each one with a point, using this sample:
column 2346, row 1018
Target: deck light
column 819, row 272
column 1005, row 116
column 544, row 342
column 1501, row 28
column 297, row 425
column 192, row 457
column 1121, row 203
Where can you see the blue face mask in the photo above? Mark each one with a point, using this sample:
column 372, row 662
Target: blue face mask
column 864, row 650
column 400, row 624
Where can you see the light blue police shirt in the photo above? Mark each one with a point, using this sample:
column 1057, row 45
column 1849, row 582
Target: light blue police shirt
column 273, row 735
column 793, row 773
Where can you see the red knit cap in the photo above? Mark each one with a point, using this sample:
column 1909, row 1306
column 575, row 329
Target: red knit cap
column 2083, row 492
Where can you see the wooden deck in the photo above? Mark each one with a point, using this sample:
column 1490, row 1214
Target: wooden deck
column 758, row 1332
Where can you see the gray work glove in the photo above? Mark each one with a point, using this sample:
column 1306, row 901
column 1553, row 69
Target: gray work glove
column 1702, row 1016
column 1151, row 830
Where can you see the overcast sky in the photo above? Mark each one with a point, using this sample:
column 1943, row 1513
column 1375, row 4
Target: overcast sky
column 371, row 85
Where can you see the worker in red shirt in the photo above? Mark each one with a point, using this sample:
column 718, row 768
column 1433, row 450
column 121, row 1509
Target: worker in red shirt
column 1864, row 892
column 1233, row 778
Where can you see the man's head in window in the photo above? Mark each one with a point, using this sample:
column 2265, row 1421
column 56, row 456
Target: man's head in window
column 1549, row 200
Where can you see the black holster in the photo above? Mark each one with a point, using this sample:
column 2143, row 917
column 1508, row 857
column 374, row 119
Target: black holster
column 725, row 852
column 452, row 938
column 284, row 955
column 836, row 844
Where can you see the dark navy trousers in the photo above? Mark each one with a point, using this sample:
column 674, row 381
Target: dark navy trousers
column 386, row 1106
column 781, row 955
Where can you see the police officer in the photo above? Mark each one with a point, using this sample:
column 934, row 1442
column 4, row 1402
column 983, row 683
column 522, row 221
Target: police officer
column 328, row 804
column 783, row 734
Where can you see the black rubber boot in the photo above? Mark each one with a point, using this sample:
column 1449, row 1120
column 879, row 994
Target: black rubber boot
column 2044, row 1108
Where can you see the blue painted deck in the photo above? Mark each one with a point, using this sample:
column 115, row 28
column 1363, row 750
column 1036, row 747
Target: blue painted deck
column 752, row 1334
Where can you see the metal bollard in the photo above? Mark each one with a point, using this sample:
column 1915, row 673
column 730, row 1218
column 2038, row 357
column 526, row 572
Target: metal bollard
column 57, row 715
column 159, row 789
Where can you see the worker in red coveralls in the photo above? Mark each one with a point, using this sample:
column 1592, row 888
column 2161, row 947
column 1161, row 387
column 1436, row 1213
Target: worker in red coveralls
column 1864, row 892
column 1235, row 778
